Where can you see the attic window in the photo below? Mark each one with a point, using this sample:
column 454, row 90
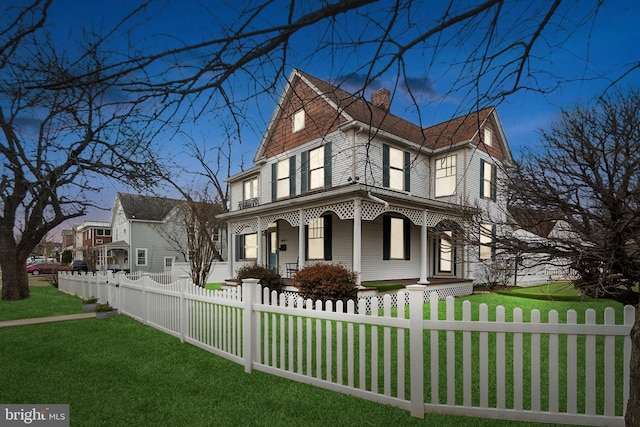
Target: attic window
column 298, row 120
column 488, row 137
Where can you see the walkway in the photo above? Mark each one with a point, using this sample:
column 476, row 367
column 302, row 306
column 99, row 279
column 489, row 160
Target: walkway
column 39, row 320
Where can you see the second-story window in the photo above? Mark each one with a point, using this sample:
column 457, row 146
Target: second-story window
column 487, row 180
column 283, row 186
column 446, row 176
column 250, row 189
column 395, row 168
column 316, row 168
column 283, row 175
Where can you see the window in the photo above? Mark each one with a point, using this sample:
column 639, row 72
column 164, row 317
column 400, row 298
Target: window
column 283, row 179
column 283, row 186
column 487, row 233
column 316, row 168
column 250, row 189
column 396, row 238
column 445, row 252
column 246, row 247
column 318, row 237
column 141, row 257
column 298, row 120
column 446, row 176
column 315, row 239
column 487, row 180
column 488, row 137
column 395, row 168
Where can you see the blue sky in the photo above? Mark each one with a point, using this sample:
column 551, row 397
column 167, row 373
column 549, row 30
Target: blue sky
column 584, row 61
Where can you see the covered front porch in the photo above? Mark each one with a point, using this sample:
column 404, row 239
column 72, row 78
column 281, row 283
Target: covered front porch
column 388, row 236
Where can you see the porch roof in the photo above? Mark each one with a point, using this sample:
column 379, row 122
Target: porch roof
column 120, row 244
column 341, row 194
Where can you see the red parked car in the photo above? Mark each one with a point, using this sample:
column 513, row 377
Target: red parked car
column 45, row 268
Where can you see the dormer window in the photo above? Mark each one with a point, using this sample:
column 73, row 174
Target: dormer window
column 488, row 137
column 298, row 121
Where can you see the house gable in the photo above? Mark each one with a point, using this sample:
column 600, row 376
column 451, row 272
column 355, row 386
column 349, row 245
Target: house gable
column 318, row 114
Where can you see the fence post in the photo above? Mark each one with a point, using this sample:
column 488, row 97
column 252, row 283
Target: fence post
column 416, row 349
column 250, row 295
column 184, row 316
column 146, row 277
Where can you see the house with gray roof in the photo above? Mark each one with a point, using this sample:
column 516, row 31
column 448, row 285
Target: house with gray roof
column 138, row 226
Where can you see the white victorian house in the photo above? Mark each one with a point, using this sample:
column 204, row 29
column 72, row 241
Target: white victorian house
column 342, row 180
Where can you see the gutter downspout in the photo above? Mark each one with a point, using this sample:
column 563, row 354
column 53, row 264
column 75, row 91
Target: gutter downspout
column 378, row 200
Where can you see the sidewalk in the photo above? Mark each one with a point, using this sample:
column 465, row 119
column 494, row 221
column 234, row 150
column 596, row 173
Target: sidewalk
column 39, row 320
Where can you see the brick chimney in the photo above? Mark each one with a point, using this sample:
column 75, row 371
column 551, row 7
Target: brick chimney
column 381, row 98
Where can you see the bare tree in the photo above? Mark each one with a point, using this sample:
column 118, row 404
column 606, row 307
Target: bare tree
column 585, row 183
column 194, row 231
column 586, row 180
column 59, row 140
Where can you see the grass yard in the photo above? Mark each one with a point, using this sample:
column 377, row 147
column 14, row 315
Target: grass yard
column 118, row 372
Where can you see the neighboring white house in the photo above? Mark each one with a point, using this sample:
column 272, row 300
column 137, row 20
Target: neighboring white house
column 342, row 180
column 137, row 242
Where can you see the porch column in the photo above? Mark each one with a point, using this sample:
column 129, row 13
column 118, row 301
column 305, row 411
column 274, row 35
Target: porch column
column 259, row 256
column 357, row 239
column 230, row 258
column 424, row 251
column 301, row 239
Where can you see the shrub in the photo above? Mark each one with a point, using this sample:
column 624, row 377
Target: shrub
column 326, row 282
column 268, row 278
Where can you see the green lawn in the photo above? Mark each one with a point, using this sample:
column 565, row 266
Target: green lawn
column 118, row 372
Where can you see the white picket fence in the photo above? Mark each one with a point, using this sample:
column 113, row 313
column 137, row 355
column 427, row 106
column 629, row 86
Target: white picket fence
column 540, row 370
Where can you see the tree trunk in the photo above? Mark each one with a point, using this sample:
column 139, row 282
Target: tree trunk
column 15, row 281
column 632, row 417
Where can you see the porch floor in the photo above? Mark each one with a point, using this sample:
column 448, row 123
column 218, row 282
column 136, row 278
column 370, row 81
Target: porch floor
column 432, row 281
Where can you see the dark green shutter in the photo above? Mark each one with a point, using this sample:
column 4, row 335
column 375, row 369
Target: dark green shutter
column 328, row 237
column 304, row 172
column 239, row 239
column 327, row 165
column 386, row 237
column 292, row 176
column 494, row 183
column 407, row 238
column 274, row 182
column 481, row 179
column 407, row 171
column 306, row 242
column 385, row 166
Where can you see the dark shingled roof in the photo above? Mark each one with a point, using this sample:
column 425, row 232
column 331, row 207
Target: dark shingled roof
column 464, row 128
column 146, row 208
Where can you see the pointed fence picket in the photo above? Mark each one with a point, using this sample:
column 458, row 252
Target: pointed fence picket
column 516, row 365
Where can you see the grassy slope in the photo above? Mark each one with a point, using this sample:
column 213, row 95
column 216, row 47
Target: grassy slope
column 118, row 372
